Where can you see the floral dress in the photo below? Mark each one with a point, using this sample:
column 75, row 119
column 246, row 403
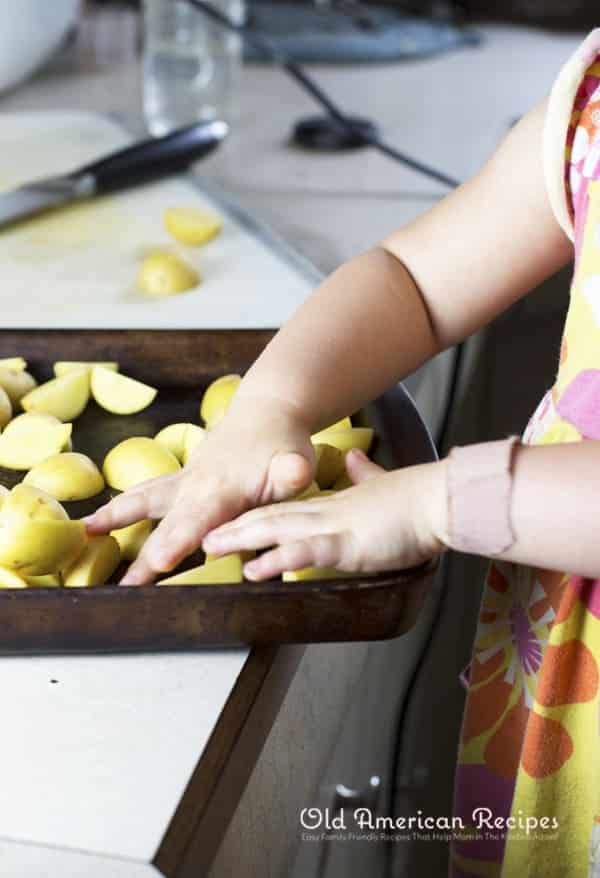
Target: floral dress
column 529, row 755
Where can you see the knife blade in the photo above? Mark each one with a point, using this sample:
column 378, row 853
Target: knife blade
column 140, row 163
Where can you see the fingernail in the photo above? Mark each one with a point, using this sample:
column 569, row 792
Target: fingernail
column 358, row 453
column 251, row 569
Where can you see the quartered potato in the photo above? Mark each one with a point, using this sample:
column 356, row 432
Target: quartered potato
column 314, row 573
column 67, row 477
column 136, row 460
column 63, row 367
column 119, row 394
column 95, row 565
column 217, row 399
column 330, row 464
column 5, row 408
column 50, row 580
column 36, row 534
column 344, row 440
column 16, row 383
column 321, row 436
column 190, row 225
column 307, row 493
column 163, row 273
column 11, row 579
column 225, row 569
column 64, row 397
column 132, row 538
column 31, row 438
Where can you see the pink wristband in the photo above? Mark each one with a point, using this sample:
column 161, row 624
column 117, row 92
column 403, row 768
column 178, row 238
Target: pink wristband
column 479, row 493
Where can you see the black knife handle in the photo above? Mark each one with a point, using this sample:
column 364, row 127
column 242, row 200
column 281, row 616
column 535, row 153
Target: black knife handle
column 154, row 158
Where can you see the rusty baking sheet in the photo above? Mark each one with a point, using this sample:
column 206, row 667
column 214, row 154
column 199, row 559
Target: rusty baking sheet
column 112, row 618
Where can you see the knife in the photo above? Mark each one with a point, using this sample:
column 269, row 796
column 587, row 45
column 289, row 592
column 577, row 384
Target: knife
column 136, row 164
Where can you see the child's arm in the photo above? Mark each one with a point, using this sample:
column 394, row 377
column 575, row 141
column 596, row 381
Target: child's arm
column 399, row 519
column 371, row 323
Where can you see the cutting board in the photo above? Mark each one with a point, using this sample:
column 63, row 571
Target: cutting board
column 77, row 267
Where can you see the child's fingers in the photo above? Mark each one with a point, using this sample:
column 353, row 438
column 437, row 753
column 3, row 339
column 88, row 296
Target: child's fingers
column 178, row 535
column 360, row 468
column 264, row 513
column 150, row 500
column 260, row 532
column 323, row 550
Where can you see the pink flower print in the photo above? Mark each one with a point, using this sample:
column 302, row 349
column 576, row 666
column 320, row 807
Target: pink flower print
column 580, row 403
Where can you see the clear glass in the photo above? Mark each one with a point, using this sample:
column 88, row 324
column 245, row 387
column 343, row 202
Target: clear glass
column 191, row 66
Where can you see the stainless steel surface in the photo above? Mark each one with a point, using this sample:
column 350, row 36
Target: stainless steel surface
column 43, row 195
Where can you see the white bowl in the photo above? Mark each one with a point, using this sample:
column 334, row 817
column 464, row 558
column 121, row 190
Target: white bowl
column 30, row 30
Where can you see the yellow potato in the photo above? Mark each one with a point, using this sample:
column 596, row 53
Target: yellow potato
column 95, row 565
column 225, row 569
column 36, row 535
column 217, row 399
column 17, row 384
column 15, row 364
column 173, row 438
column 64, row 397
column 63, row 367
column 314, row 573
column 10, row 579
column 50, row 580
column 31, row 438
column 119, row 394
column 330, row 464
column 190, row 225
column 307, row 493
column 193, row 437
column 67, row 477
column 245, row 555
column 132, row 538
column 344, row 424
column 344, row 440
column 163, row 273
column 136, row 460
column 5, row 408
column 343, row 482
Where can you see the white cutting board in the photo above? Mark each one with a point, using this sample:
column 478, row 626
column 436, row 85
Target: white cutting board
column 76, row 268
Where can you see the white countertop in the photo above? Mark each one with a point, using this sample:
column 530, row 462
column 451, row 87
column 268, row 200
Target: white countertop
column 97, row 761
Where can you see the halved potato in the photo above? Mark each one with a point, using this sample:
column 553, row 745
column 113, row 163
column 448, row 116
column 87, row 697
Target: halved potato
column 225, row 569
column 17, row 384
column 217, row 399
column 64, row 397
column 136, row 460
column 119, row 394
column 191, row 225
column 67, row 477
column 173, row 438
column 163, row 273
column 132, row 538
column 36, row 535
column 5, row 408
column 193, row 437
column 95, row 565
column 15, row 364
column 63, row 367
column 31, row 438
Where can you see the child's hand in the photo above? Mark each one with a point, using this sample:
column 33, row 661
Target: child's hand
column 386, row 521
column 261, row 452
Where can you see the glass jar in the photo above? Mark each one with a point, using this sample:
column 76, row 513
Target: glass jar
column 191, row 65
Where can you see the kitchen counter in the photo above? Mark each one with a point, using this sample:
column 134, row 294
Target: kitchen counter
column 130, row 764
